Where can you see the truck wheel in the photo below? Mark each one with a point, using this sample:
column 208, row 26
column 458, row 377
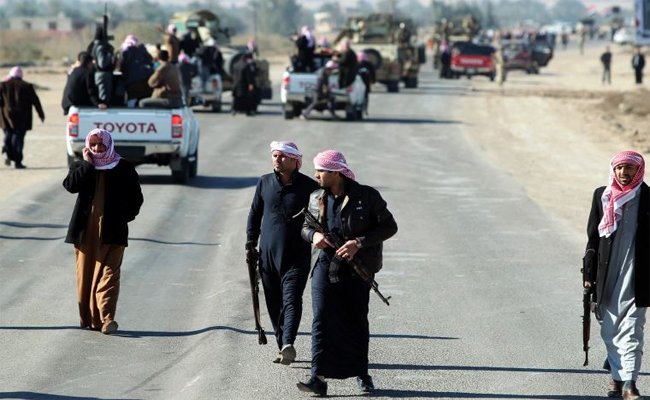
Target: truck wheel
column 392, row 86
column 411, row 82
column 71, row 160
column 350, row 113
column 288, row 114
column 194, row 165
column 216, row 106
column 297, row 110
column 182, row 175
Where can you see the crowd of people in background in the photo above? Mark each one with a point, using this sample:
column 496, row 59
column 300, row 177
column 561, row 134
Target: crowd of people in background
column 156, row 77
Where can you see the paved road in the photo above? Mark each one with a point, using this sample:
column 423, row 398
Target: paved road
column 486, row 299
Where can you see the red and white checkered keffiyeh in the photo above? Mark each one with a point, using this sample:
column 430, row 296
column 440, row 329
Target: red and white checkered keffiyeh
column 289, row 149
column 332, row 160
column 616, row 195
column 107, row 159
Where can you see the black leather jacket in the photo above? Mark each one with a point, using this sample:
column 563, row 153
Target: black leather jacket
column 364, row 216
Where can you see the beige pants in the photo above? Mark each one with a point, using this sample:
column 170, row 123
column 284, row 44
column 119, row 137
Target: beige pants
column 98, row 283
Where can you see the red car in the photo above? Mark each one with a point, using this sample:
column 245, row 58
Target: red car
column 471, row 59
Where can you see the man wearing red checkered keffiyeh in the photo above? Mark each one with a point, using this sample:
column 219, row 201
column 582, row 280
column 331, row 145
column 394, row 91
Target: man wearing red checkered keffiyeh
column 340, row 330
column 617, row 268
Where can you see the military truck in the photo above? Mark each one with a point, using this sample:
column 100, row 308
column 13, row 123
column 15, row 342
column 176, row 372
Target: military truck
column 459, row 29
column 388, row 43
column 208, row 25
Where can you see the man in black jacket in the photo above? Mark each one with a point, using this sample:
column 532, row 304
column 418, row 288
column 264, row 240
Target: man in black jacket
column 340, row 330
column 17, row 98
column 617, row 266
column 109, row 197
column 80, row 89
column 638, row 63
column 284, row 256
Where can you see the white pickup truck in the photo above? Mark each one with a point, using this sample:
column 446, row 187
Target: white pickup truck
column 210, row 95
column 298, row 88
column 141, row 135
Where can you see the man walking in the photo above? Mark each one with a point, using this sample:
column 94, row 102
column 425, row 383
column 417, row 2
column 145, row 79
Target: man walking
column 606, row 60
column 638, row 63
column 340, row 331
column 323, row 92
column 109, row 197
column 17, row 97
column 617, row 265
column 284, row 257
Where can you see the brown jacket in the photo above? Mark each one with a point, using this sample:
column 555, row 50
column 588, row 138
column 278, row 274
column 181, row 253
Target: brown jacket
column 17, row 98
column 166, row 82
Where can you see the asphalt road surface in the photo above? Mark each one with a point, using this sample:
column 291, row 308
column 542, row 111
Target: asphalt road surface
column 484, row 284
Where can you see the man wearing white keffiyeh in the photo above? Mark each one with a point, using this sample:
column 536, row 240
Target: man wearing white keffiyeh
column 617, row 265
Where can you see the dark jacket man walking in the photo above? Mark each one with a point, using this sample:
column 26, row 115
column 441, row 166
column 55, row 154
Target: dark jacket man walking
column 284, row 256
column 17, row 97
column 638, row 63
column 617, row 266
column 109, row 197
column 340, row 329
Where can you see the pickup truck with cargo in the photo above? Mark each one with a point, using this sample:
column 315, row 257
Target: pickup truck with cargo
column 141, row 136
column 298, row 89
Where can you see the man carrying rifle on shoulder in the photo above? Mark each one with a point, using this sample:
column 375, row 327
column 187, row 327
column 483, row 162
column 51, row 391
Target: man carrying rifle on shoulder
column 340, row 296
column 283, row 255
column 617, row 268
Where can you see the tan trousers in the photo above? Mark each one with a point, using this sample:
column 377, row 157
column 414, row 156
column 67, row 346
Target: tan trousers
column 98, row 283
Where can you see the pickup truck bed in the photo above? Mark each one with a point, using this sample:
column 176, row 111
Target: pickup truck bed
column 141, row 135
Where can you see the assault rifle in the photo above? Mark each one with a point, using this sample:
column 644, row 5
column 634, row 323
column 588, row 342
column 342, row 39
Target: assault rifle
column 252, row 257
column 106, row 37
column 587, row 295
column 339, row 241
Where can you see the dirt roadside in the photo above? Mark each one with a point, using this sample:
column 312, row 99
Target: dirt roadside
column 553, row 132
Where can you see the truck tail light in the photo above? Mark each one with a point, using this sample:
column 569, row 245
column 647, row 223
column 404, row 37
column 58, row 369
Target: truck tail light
column 177, row 126
column 215, row 84
column 285, row 82
column 349, row 88
column 73, row 125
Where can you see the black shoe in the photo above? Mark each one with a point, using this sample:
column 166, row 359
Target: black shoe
column 20, row 166
column 365, row 384
column 314, row 385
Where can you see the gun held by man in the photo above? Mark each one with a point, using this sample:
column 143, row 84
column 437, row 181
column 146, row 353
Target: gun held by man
column 587, row 295
column 338, row 241
column 252, row 257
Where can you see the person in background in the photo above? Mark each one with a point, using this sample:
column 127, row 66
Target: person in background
column 638, row 63
column 166, row 85
column 136, row 65
column 606, row 60
column 367, row 73
column 80, row 89
column 17, row 97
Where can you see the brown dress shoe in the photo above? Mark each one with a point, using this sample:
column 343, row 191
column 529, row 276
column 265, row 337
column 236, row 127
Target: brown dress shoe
column 630, row 392
column 615, row 389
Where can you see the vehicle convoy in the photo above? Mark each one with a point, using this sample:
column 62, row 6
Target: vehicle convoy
column 471, row 59
column 141, row 136
column 298, row 88
column 208, row 25
column 388, row 43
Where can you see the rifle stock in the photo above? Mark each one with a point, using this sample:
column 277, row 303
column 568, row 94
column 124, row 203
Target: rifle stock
column 251, row 262
column 338, row 241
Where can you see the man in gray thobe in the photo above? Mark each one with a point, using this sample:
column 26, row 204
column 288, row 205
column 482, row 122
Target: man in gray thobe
column 619, row 239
